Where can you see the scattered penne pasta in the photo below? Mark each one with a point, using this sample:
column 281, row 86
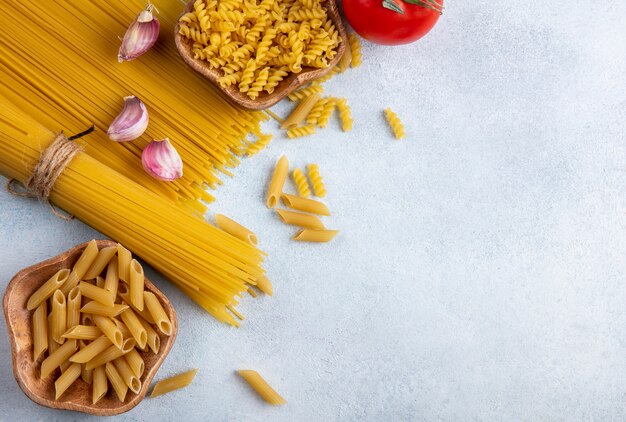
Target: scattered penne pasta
column 320, row 236
column 174, row 383
column 278, row 181
column 263, row 389
column 306, row 205
column 300, row 219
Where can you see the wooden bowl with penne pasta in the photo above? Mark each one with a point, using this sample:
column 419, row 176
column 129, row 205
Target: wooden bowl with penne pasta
column 81, row 337
column 291, row 47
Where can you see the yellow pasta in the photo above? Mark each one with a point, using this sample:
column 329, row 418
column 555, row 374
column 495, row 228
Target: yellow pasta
column 59, row 316
column 327, row 112
column 109, row 329
column 58, row 357
column 355, row 48
column 130, row 379
column 278, row 181
column 136, row 284
column 301, row 112
column 264, row 285
column 135, row 327
column 100, row 283
column 40, row 330
column 299, row 132
column 124, row 258
column 96, row 308
column 92, row 350
column 47, row 289
column 86, row 319
column 158, row 313
column 124, row 293
column 52, row 344
column 346, row 59
column 70, row 375
column 314, row 115
column 235, row 229
column 123, row 328
column 116, row 380
column 259, row 145
column 174, row 383
column 306, row 92
column 258, row 384
column 83, row 332
column 80, row 268
column 316, row 180
column 113, row 352
column 395, row 123
column 112, row 279
column 301, row 183
column 97, row 294
column 136, row 363
column 306, row 205
column 345, row 114
column 99, row 385
column 320, row 236
column 102, row 260
column 74, row 299
column 301, row 220
column 154, row 341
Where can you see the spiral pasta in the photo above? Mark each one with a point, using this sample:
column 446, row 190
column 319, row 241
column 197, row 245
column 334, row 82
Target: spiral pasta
column 259, row 83
column 316, row 112
column 327, row 112
column 395, row 123
column 345, row 114
column 259, row 145
column 301, row 131
column 301, row 183
column 306, row 92
column 355, row 47
column 316, row 180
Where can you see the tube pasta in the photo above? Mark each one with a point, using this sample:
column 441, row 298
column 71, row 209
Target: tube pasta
column 116, row 381
column 109, row 329
column 112, row 280
column 173, row 383
column 320, row 236
column 99, row 282
column 130, row 379
column 80, row 268
column 301, row 220
column 83, row 332
column 158, row 313
column 47, row 289
column 92, row 350
column 96, row 308
column 136, row 363
column 236, row 229
column 303, row 204
column 263, row 389
column 59, row 316
column 113, row 352
column 136, row 284
column 278, row 181
column 123, row 263
column 97, row 294
column 100, row 384
column 86, row 319
column 74, row 299
column 56, row 359
column 70, row 375
column 301, row 112
column 135, row 327
column 52, row 344
column 102, row 260
column 125, row 295
column 154, row 341
column 40, row 330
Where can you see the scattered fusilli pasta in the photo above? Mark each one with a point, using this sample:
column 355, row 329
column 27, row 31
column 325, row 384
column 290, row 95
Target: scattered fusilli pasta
column 395, row 123
column 355, row 48
column 301, row 183
column 301, row 131
column 316, row 180
column 345, row 114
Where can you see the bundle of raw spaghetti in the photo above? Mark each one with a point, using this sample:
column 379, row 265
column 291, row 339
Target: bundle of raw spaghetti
column 208, row 264
column 58, row 64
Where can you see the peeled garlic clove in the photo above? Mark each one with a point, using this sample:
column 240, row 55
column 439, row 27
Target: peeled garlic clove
column 140, row 36
column 161, row 160
column 132, row 121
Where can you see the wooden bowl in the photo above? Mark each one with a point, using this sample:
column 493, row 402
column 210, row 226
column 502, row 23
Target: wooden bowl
column 292, row 82
column 78, row 396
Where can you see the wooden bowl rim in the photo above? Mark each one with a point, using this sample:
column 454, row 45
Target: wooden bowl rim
column 284, row 88
column 87, row 407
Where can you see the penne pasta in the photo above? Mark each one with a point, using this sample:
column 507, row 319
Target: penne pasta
column 83, row 332
column 74, row 299
column 111, row 353
column 81, row 267
column 92, row 350
column 137, row 280
column 56, row 359
column 154, row 341
column 174, row 383
column 301, row 111
column 303, row 204
column 320, row 236
column 65, row 365
column 47, row 289
column 264, row 285
column 278, row 181
column 86, row 319
column 96, row 308
column 256, row 381
column 100, row 283
column 102, row 260
column 158, row 313
column 130, row 379
column 70, row 375
column 85, row 374
column 97, row 294
column 99, row 385
column 301, row 220
column 136, row 363
column 123, row 328
column 123, row 263
column 135, row 327
column 236, row 229
column 59, row 316
column 112, row 279
column 52, row 345
column 116, row 381
column 124, row 293
column 40, row 330
column 108, row 327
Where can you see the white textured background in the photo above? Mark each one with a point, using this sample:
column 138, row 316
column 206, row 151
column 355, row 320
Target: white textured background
column 480, row 270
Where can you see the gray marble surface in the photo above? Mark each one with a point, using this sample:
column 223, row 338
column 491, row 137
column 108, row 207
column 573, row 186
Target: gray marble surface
column 480, row 270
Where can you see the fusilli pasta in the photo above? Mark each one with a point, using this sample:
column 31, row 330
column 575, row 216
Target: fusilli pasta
column 395, row 123
column 316, row 180
column 301, row 183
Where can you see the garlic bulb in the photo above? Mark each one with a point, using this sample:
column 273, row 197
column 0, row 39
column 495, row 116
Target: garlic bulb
column 161, row 160
column 132, row 121
column 140, row 36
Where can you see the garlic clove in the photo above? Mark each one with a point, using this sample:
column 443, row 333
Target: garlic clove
column 161, row 160
column 140, row 35
column 132, row 121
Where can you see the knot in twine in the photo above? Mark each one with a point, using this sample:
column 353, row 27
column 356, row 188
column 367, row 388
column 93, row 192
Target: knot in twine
column 52, row 162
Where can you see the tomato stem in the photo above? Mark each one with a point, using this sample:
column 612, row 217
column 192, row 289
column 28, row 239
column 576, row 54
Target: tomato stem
column 435, row 5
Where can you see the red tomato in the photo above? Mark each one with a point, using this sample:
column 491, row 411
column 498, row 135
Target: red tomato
column 378, row 24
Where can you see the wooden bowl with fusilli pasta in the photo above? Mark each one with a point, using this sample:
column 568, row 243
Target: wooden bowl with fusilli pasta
column 258, row 54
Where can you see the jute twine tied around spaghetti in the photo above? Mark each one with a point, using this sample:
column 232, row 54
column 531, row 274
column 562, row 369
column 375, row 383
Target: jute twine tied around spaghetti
column 52, row 162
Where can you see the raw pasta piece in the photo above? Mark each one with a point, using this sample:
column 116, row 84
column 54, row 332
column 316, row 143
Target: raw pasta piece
column 136, row 284
column 355, row 47
column 47, row 289
column 97, row 294
column 395, row 123
column 301, row 183
column 102, row 260
column 264, row 285
column 74, row 299
column 135, row 327
column 299, row 132
column 58, row 357
column 174, row 383
column 320, row 236
column 154, row 341
column 327, row 112
column 316, row 180
column 235, row 229
column 259, row 145
column 124, row 293
column 96, row 308
column 316, row 112
column 306, row 92
column 301, row 111
column 278, row 181
column 263, row 389
column 59, row 316
column 92, row 350
column 99, row 385
column 83, row 332
column 40, row 330
column 345, row 114
column 303, row 204
column 130, row 379
column 158, row 313
column 301, row 220
column 110, row 330
column 116, row 381
column 80, row 268
column 113, row 352
column 123, row 263
column 112, row 279
column 70, row 375
column 136, row 363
